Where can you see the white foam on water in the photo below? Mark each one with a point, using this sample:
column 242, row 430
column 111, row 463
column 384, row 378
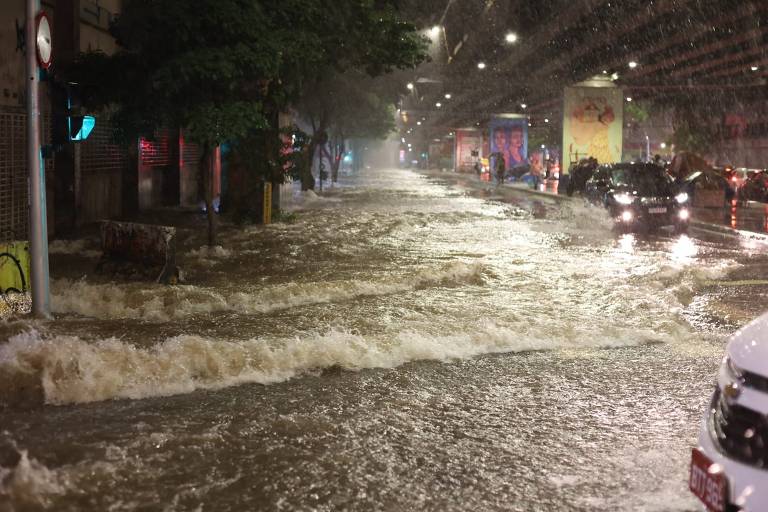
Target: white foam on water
column 14, row 305
column 30, row 483
column 69, row 369
column 162, row 304
column 79, row 247
column 580, row 219
column 206, row 251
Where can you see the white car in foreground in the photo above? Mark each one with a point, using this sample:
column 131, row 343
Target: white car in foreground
column 729, row 468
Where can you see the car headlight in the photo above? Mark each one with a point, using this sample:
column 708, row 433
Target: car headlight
column 682, row 197
column 624, row 198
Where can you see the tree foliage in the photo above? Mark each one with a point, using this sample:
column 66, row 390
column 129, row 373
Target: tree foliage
column 215, row 66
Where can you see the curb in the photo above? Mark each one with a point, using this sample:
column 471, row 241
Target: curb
column 729, row 231
column 718, row 229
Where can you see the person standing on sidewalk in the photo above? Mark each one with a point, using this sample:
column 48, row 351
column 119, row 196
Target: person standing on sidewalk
column 501, row 167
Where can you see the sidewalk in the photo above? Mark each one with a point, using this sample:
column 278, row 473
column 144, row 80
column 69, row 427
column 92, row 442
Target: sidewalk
column 749, row 220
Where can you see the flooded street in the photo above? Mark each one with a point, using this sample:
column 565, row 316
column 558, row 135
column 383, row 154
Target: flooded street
column 401, row 343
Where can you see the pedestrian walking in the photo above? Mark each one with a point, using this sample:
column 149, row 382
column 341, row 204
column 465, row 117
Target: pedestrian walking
column 501, row 167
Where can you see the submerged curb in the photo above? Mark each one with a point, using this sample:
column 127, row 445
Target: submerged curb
column 709, row 227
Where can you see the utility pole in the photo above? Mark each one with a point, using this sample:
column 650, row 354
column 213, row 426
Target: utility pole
column 38, row 229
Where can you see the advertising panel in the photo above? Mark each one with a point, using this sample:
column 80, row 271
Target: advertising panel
column 592, row 124
column 469, row 149
column 509, row 140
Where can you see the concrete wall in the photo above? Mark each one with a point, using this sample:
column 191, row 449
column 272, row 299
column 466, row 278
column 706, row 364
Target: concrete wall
column 95, row 17
column 11, row 57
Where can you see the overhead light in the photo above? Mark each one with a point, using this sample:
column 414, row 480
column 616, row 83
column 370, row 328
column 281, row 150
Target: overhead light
column 447, row 96
column 511, row 37
column 409, row 86
column 754, row 68
column 629, row 99
column 523, row 106
column 546, row 120
column 418, row 123
column 481, row 65
column 632, row 64
column 438, row 104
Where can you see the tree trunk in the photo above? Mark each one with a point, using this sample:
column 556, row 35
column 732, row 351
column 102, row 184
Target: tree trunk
column 338, row 155
column 307, row 180
column 207, row 170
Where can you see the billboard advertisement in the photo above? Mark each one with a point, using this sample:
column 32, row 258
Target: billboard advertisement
column 509, row 140
column 469, row 149
column 592, row 124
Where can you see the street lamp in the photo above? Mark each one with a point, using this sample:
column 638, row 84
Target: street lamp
column 438, row 104
column 481, row 65
column 511, row 37
column 632, row 64
column 410, row 86
column 523, row 106
column 434, row 31
column 447, row 96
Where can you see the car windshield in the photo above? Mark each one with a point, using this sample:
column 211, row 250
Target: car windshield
column 646, row 181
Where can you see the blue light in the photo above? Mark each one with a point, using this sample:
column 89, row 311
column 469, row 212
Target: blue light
column 347, row 158
column 80, row 127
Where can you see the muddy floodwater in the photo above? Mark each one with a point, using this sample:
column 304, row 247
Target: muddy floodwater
column 403, row 343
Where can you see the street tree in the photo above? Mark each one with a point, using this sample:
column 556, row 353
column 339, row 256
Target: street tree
column 343, row 105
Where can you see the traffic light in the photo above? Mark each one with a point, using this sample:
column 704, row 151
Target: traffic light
column 69, row 123
column 80, row 127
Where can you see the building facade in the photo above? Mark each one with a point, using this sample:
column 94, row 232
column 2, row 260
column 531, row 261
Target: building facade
column 95, row 179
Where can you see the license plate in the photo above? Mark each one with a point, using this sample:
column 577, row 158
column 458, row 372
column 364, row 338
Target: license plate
column 657, row 210
column 708, row 482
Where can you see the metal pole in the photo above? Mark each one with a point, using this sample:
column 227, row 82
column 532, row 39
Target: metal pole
column 38, row 229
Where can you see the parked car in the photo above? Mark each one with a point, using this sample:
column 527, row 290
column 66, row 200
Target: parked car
column 754, row 187
column 729, row 467
column 579, row 173
column 707, row 189
column 738, row 177
column 639, row 196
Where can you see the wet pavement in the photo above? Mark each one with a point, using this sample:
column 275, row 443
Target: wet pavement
column 404, row 343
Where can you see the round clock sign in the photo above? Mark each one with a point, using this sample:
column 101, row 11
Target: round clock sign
column 43, row 40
